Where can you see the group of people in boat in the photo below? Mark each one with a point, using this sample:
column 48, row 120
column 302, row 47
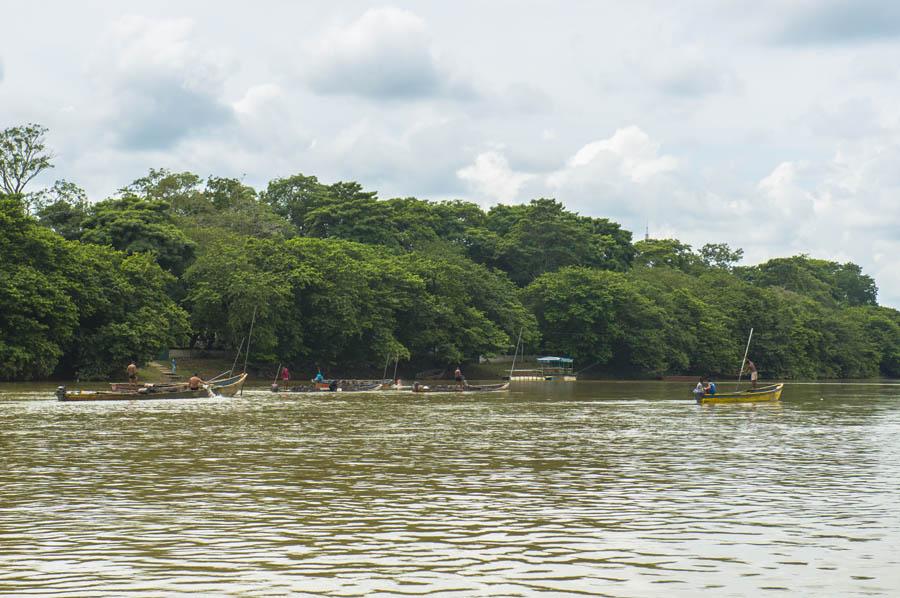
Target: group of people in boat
column 319, row 378
column 194, row 382
column 285, row 376
column 707, row 386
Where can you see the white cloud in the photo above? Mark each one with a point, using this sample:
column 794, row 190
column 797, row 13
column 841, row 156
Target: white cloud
column 844, row 207
column 385, row 53
column 675, row 71
column 390, row 153
column 491, row 176
column 784, row 197
column 161, row 87
column 718, row 156
column 629, row 152
column 266, row 120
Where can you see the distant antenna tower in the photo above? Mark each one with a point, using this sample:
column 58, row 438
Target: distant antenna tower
column 647, row 232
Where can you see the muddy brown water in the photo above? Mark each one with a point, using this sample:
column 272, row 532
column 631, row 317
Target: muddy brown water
column 593, row 488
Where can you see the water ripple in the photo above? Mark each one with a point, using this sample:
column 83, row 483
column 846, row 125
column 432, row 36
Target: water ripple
column 603, row 489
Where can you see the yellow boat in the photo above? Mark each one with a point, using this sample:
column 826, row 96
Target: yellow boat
column 753, row 395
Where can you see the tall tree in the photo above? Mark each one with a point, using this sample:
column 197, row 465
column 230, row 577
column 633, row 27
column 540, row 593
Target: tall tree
column 23, row 156
column 720, row 255
column 670, row 253
column 62, row 207
column 137, row 225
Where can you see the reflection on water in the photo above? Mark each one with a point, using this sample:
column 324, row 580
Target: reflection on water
column 619, row 489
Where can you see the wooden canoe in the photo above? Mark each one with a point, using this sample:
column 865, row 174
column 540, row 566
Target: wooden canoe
column 464, row 388
column 136, row 386
column 107, row 395
column 228, row 387
column 753, row 395
column 319, row 388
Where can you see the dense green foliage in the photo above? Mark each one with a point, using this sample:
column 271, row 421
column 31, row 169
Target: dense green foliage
column 77, row 308
column 331, row 274
column 336, row 301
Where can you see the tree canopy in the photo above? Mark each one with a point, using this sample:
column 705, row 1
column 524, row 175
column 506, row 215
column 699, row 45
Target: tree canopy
column 77, row 308
column 338, row 276
column 23, row 156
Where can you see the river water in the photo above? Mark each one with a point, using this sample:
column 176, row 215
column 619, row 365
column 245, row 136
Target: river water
column 593, row 488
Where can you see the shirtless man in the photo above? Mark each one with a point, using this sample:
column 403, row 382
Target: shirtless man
column 195, row 382
column 754, row 375
column 132, row 372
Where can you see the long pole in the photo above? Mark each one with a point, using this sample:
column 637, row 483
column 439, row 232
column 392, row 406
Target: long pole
column 249, row 336
column 217, row 376
column 743, row 361
column 278, row 371
column 247, row 354
column 387, row 360
column 396, row 361
column 513, row 366
column 238, row 354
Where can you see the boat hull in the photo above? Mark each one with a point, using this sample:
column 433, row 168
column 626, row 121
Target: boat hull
column 320, row 388
column 466, row 388
column 758, row 395
column 135, row 386
column 105, row 395
column 229, row 386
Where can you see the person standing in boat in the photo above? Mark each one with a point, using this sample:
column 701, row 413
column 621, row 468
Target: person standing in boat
column 458, row 375
column 285, row 374
column 754, row 375
column 132, row 372
column 174, row 366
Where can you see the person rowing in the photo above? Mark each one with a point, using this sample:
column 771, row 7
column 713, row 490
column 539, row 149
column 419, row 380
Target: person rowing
column 195, row 382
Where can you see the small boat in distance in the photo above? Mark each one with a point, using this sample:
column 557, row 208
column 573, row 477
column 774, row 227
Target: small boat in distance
column 417, row 387
column 338, row 386
column 558, row 369
column 752, row 395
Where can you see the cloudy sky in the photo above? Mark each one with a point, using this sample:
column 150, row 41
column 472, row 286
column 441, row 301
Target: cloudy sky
column 770, row 125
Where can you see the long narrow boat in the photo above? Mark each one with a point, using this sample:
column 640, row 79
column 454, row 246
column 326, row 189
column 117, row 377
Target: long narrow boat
column 107, row 395
column 455, row 388
column 226, row 387
column 137, row 386
column 753, row 395
column 319, row 387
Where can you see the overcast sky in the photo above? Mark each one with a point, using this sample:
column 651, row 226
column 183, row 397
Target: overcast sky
column 773, row 126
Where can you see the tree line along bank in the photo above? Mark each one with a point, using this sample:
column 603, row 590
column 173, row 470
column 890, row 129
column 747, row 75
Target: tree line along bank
column 343, row 279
